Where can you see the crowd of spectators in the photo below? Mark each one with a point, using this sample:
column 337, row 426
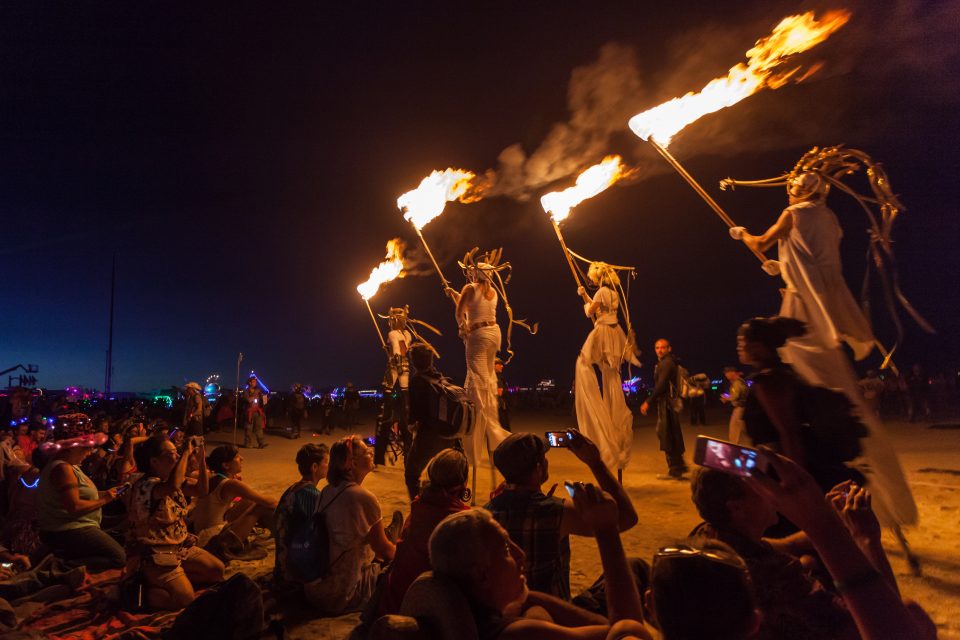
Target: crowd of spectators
column 133, row 494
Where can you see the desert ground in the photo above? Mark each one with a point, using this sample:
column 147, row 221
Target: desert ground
column 930, row 455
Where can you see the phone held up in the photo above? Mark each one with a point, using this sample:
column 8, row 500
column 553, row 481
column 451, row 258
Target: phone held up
column 557, row 439
column 728, row 457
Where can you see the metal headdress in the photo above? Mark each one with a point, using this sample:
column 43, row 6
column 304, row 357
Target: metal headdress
column 487, row 267
column 608, row 275
column 402, row 314
column 828, row 167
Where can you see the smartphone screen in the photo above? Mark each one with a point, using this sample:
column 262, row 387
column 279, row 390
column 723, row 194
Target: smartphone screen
column 557, row 439
column 569, row 487
column 726, row 456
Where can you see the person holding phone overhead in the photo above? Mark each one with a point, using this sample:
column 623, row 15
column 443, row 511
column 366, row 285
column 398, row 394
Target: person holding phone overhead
column 540, row 523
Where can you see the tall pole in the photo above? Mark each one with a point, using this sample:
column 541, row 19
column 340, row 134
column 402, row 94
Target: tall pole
column 446, row 283
column 566, row 252
column 700, row 191
column 236, row 399
column 108, row 377
column 376, row 326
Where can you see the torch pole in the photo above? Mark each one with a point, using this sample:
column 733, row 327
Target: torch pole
column 446, row 283
column 700, row 191
column 566, row 252
column 375, row 325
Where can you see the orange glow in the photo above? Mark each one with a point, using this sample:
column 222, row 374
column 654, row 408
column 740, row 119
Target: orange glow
column 591, row 182
column 428, row 200
column 390, row 269
column 793, row 35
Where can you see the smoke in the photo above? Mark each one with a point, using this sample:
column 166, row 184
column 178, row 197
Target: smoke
column 601, row 97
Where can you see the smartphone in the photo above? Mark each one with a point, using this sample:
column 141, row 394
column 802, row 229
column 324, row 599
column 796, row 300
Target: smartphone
column 7, row 565
column 370, row 441
column 557, row 439
column 728, row 457
column 122, row 489
column 569, row 487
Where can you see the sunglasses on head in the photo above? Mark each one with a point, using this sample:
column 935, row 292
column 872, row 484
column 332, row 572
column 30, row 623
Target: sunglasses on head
column 687, row 551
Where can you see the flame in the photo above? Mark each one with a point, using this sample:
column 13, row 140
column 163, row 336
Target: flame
column 390, row 269
column 591, row 182
column 793, row 35
column 428, row 200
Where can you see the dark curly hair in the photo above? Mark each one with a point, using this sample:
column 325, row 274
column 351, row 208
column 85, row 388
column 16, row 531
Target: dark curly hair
column 772, row 332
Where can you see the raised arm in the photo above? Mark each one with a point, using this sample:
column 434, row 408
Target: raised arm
column 780, row 229
column 587, row 452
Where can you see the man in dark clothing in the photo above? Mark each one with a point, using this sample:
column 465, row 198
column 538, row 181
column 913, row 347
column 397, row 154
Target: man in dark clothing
column 193, row 409
column 427, row 442
column 666, row 392
column 297, row 408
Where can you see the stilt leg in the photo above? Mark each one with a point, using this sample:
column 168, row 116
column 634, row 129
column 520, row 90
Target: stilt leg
column 912, row 559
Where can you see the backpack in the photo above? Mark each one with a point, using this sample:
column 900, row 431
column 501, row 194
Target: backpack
column 207, row 409
column 452, row 413
column 231, row 610
column 308, row 549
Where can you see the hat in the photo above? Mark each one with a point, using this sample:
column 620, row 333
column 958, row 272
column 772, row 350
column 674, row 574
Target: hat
column 518, row 455
column 192, row 385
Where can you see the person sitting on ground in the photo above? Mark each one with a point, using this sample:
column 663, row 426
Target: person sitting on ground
column 296, row 508
column 445, row 492
column 160, row 549
column 356, row 532
column 70, row 505
column 224, row 517
column 18, row 529
column 428, row 439
column 702, row 590
column 794, row 603
column 471, row 550
column 16, row 561
column 541, row 523
column 868, row 590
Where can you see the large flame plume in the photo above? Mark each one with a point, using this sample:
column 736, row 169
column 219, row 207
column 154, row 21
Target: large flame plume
column 428, row 200
column 591, row 182
column 793, row 35
column 390, row 269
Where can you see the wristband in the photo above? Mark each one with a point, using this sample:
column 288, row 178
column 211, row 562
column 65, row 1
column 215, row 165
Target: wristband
column 857, row 581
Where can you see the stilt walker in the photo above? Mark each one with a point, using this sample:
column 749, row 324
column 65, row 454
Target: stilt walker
column 808, row 237
column 602, row 412
column 476, row 315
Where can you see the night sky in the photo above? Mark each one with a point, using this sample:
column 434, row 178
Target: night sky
column 243, row 160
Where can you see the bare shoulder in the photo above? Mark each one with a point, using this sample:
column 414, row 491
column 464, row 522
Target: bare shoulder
column 530, row 629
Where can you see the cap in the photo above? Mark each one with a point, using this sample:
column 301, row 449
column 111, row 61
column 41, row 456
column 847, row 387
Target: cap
column 519, row 454
column 192, row 385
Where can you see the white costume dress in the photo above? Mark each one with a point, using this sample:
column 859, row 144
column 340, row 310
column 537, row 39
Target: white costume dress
column 482, row 344
column 398, row 367
column 604, row 417
column 817, row 294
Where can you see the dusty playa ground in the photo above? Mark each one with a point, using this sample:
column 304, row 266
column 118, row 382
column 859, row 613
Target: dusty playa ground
column 931, row 458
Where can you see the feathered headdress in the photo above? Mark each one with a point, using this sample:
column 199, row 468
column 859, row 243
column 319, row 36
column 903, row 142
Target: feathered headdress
column 398, row 315
column 487, row 267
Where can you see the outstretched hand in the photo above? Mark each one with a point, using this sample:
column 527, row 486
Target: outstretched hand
column 582, row 447
column 596, row 508
column 853, row 504
column 793, row 492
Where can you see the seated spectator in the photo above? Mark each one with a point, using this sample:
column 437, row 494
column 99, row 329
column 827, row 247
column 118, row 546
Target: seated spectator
column 540, row 524
column 160, row 550
column 444, row 493
column 70, row 506
column 18, row 531
column 356, row 532
column 296, row 507
column 703, row 592
column 867, row 588
column 232, row 508
column 17, row 562
column 794, row 603
column 472, row 551
column 429, row 436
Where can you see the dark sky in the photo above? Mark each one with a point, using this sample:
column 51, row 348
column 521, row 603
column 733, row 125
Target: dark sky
column 243, row 160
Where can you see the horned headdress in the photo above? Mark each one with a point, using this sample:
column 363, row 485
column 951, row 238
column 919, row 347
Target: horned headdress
column 399, row 318
column 487, row 267
column 813, row 176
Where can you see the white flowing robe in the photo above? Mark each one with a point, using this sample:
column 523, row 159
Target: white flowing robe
column 482, row 345
column 817, row 294
column 603, row 416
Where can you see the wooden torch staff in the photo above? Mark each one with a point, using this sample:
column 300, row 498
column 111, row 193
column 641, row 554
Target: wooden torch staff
column 446, row 283
column 376, row 325
column 700, row 191
column 566, row 252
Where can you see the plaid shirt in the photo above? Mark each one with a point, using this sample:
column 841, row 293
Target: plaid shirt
column 533, row 522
